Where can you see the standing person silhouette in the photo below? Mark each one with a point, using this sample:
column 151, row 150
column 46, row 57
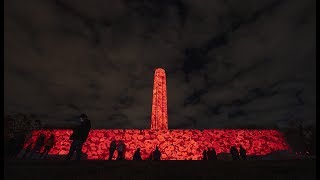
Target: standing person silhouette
column 121, row 149
column 79, row 137
column 243, row 153
column 234, row 153
column 112, row 149
column 47, row 146
column 37, row 147
column 204, row 155
column 137, row 155
column 156, row 154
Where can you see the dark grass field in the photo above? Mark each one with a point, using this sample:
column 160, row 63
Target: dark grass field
column 179, row 170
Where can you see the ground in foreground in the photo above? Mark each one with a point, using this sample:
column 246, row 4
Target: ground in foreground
column 94, row 170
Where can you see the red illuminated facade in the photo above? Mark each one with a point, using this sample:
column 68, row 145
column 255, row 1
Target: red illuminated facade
column 174, row 144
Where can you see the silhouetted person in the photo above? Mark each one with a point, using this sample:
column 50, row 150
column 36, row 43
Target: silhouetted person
column 243, row 153
column 79, row 137
column 112, row 149
column 16, row 144
column 121, row 148
column 209, row 154
column 38, row 145
column 204, row 155
column 156, row 154
column 28, row 140
column 212, row 155
column 234, row 153
column 28, row 149
column 47, row 146
column 137, row 155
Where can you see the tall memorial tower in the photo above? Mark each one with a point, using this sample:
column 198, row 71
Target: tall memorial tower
column 159, row 114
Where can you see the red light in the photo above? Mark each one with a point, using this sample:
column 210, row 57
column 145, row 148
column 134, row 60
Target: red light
column 174, row 144
column 159, row 115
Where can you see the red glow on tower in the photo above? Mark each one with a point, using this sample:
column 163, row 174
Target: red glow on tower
column 159, row 115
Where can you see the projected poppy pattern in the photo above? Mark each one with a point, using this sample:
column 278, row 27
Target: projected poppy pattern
column 173, row 144
column 159, row 114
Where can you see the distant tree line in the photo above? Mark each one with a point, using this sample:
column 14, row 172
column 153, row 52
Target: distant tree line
column 21, row 123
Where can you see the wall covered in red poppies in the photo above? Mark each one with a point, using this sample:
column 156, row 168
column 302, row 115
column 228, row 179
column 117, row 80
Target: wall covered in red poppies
column 174, row 144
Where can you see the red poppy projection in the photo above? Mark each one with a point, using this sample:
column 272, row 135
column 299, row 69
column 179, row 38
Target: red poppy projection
column 159, row 114
column 174, row 144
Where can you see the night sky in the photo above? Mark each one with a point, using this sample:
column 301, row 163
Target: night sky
column 229, row 63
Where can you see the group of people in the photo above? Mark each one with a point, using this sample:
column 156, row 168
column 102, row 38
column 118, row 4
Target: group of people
column 211, row 154
column 155, row 155
column 120, row 147
column 15, row 144
column 38, row 144
column 33, row 150
column 235, row 153
column 79, row 137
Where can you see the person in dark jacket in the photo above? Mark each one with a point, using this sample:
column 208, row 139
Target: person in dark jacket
column 212, row 155
column 47, row 146
column 37, row 146
column 156, row 154
column 137, row 155
column 243, row 153
column 112, row 149
column 121, row 148
column 234, row 153
column 204, row 155
column 79, row 137
column 27, row 151
column 209, row 154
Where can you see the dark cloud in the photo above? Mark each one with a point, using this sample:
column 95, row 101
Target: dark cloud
column 229, row 63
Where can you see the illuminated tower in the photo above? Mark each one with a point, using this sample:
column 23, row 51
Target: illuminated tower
column 159, row 115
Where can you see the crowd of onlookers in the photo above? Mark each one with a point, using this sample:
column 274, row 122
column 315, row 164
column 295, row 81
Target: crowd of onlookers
column 33, row 149
column 211, row 154
column 120, row 147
